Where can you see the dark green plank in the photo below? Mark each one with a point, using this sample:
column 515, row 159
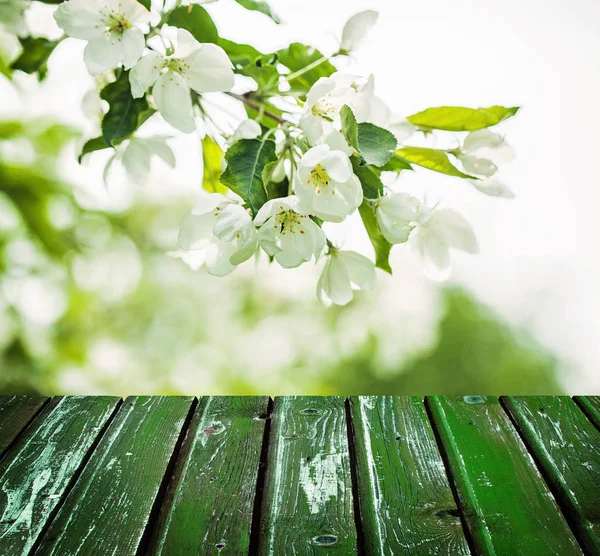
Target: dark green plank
column 307, row 504
column 591, row 407
column 220, row 459
column 508, row 507
column 567, row 448
column 39, row 468
column 406, row 505
column 107, row 511
column 15, row 413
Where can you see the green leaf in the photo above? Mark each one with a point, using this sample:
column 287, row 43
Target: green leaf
column 35, row 54
column 259, row 6
column 146, row 3
column 95, row 144
column 195, row 19
column 432, row 159
column 212, row 157
column 296, row 57
column 458, row 118
column 369, row 179
column 374, row 144
column 248, row 61
column 126, row 114
column 274, row 190
column 396, row 164
column 381, row 245
column 240, row 54
column 349, row 126
column 246, row 160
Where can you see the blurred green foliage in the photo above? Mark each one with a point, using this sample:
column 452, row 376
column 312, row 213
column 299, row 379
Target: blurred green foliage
column 90, row 303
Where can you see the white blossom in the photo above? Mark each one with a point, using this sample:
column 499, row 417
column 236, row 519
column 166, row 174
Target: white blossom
column 344, row 272
column 356, row 30
column 320, row 119
column 397, row 214
column 326, row 184
column 222, row 233
column 288, row 233
column 111, row 27
column 201, row 67
column 493, row 187
column 402, row 129
column 482, row 151
column 438, row 231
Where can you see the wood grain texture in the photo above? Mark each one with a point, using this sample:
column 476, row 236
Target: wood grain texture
column 210, row 502
column 508, row 507
column 406, row 505
column 38, row 470
column 108, row 510
column 15, row 413
column 566, row 446
column 307, row 503
column 591, row 407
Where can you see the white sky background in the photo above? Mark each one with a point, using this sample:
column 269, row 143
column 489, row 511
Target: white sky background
column 539, row 265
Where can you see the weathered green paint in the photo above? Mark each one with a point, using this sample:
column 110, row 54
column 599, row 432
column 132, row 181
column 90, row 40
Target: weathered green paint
column 15, row 413
column 220, row 459
column 567, row 448
column 406, row 505
column 37, row 471
column 591, row 407
column 108, row 510
column 507, row 506
column 308, row 505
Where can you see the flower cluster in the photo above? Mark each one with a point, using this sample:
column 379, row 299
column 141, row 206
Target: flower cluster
column 317, row 147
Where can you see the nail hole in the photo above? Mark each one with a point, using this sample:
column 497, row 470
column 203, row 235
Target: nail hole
column 309, row 412
column 309, row 458
column 290, row 437
column 472, row 423
column 325, row 540
column 220, row 545
column 542, row 410
column 262, row 417
column 398, row 437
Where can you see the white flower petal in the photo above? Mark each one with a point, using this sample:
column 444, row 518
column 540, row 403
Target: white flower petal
column 402, row 130
column 338, row 166
column 81, row 19
column 248, row 129
column 493, row 188
column 102, row 53
column 208, row 203
column 322, row 86
column 217, row 259
column 172, row 97
column 451, row 227
column 196, row 231
column 356, row 29
column 132, row 43
column 480, row 166
column 232, row 220
column 133, row 11
column 275, row 206
column 334, row 284
column 209, row 69
column 435, row 254
column 361, row 270
column 482, row 138
column 396, row 215
column 145, row 73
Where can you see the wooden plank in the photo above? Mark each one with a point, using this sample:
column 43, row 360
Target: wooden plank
column 406, row 505
column 39, row 468
column 591, row 407
column 308, row 504
column 566, row 446
column 15, row 414
column 507, row 506
column 220, row 459
column 108, row 510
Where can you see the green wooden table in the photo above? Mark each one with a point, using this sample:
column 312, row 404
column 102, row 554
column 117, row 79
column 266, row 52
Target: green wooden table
column 299, row 475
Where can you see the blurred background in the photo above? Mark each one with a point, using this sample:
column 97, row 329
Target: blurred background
column 90, row 302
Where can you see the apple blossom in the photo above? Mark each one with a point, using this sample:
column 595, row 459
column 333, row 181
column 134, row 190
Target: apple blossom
column 397, row 214
column 493, row 187
column 325, row 182
column 248, row 129
column 438, row 231
column 201, row 67
column 482, row 151
column 137, row 155
column 287, row 232
column 12, row 16
column 356, row 30
column 344, row 272
column 111, row 27
column 223, row 230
